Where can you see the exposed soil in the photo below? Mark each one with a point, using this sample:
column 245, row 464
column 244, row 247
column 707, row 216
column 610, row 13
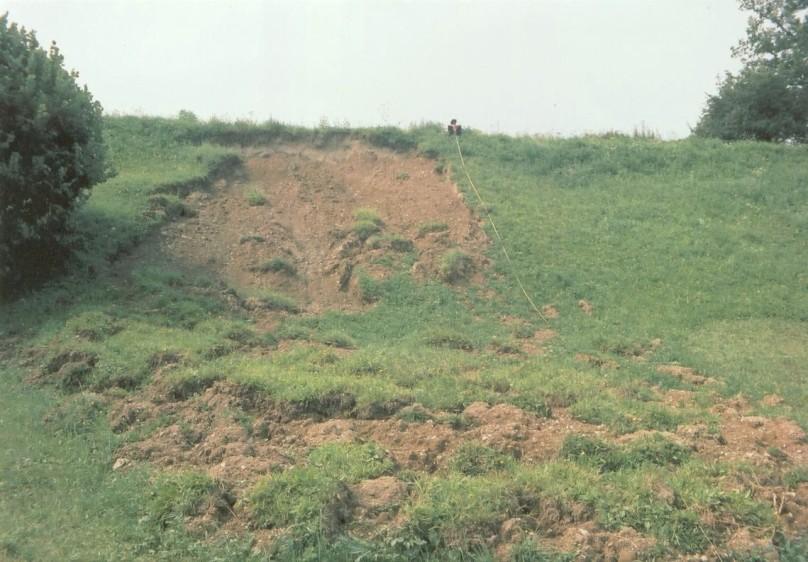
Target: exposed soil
column 297, row 203
column 209, row 431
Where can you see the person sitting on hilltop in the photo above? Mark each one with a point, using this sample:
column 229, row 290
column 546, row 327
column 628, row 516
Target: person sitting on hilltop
column 455, row 128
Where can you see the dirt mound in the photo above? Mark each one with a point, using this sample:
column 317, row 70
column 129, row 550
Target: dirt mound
column 290, row 225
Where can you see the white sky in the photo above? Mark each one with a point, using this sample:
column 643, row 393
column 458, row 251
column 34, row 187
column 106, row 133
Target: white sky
column 543, row 66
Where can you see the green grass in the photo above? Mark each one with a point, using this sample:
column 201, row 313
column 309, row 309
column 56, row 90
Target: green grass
column 315, row 497
column 473, row 459
column 256, row 199
column 697, row 243
column 367, row 223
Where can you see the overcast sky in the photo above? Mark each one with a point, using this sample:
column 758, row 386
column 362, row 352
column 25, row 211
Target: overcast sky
column 542, row 66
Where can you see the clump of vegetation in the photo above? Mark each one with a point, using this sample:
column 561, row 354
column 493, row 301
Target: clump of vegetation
column 456, row 266
column 269, row 300
column 608, row 458
column 256, row 198
column 534, row 403
column 173, row 497
column 316, row 496
column 451, row 511
column 94, row 326
column 76, row 414
column 278, row 265
column 395, row 242
column 251, row 238
column 171, row 206
column 367, row 223
column 352, row 462
column 304, row 497
column 603, row 412
column 795, row 477
column 399, row 243
column 429, row 227
column 473, row 458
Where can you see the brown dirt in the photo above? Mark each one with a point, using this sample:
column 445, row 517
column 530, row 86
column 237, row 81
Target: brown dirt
column 588, row 542
column 537, row 345
column 550, row 311
column 586, row 307
column 311, row 196
column 206, row 432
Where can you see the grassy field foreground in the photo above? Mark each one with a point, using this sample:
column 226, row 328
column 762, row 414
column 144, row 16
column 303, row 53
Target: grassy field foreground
column 656, row 412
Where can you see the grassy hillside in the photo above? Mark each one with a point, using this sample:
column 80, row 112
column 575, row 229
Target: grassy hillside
column 650, row 406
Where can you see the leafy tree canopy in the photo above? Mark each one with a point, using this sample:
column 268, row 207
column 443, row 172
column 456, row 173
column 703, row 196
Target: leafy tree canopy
column 768, row 99
column 51, row 152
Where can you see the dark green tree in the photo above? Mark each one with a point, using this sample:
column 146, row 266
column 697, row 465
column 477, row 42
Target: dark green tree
column 51, row 153
column 768, row 99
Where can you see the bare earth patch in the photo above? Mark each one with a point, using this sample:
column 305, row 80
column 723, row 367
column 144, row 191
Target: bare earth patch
column 306, row 217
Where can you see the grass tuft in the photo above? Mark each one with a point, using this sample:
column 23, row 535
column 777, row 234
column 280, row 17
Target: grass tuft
column 256, row 199
column 473, row 459
column 456, row 266
column 278, row 265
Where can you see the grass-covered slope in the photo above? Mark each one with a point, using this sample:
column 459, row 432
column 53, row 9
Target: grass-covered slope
column 700, row 243
column 444, row 420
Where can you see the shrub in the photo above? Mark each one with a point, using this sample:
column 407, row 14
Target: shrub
column 51, row 152
column 456, row 266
